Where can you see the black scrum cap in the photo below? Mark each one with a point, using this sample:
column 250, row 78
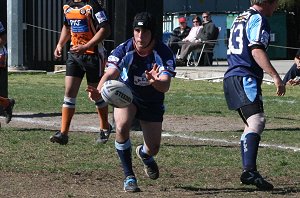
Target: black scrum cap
column 145, row 20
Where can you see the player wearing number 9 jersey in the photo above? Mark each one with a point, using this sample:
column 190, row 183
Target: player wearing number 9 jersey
column 247, row 59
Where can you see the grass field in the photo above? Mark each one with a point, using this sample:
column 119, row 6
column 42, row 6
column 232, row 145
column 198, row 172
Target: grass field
column 31, row 166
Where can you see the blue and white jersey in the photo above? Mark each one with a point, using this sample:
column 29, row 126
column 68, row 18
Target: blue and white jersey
column 132, row 68
column 249, row 30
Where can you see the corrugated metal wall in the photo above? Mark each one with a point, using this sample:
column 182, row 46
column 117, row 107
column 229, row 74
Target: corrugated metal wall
column 43, row 21
column 42, row 25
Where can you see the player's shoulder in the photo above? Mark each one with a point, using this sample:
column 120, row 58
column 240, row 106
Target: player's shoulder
column 124, row 48
column 163, row 50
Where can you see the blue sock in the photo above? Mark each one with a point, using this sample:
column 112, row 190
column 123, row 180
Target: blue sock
column 147, row 159
column 124, row 152
column 249, row 148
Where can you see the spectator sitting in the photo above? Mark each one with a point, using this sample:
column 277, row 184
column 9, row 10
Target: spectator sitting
column 193, row 34
column 207, row 33
column 291, row 77
column 178, row 34
column 192, row 37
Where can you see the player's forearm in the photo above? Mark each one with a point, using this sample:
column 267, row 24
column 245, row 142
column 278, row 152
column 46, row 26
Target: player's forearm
column 102, row 34
column 110, row 74
column 262, row 59
column 162, row 85
column 64, row 36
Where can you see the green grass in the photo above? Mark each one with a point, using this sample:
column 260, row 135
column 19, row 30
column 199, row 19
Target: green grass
column 37, row 93
column 24, row 150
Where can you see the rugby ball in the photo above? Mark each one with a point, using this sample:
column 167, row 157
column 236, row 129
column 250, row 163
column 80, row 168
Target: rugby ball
column 116, row 93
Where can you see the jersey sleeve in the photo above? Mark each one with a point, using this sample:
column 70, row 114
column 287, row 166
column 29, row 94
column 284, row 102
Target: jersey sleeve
column 99, row 15
column 257, row 33
column 166, row 60
column 117, row 58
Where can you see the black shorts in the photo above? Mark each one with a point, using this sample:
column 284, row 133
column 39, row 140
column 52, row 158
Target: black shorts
column 151, row 112
column 242, row 91
column 78, row 65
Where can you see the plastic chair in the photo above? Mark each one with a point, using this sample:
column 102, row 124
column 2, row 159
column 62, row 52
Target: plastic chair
column 206, row 49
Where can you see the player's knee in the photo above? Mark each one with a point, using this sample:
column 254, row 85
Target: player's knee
column 256, row 123
column 122, row 130
column 69, row 102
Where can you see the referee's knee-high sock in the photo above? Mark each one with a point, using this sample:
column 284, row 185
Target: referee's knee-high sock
column 103, row 117
column 68, row 110
column 147, row 159
column 4, row 102
column 249, row 149
column 124, row 152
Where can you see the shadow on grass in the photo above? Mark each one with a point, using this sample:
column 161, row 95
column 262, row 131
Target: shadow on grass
column 41, row 115
column 284, row 129
column 285, row 118
column 213, row 191
column 35, row 130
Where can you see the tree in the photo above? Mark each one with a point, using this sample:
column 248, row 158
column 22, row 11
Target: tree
column 289, row 5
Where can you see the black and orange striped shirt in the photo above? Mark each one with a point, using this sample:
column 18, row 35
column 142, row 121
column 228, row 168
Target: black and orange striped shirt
column 84, row 18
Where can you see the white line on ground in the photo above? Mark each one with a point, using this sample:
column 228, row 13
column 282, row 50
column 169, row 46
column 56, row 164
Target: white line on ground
column 296, row 149
column 164, row 134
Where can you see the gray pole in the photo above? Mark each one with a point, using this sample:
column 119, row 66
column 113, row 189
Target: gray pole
column 15, row 34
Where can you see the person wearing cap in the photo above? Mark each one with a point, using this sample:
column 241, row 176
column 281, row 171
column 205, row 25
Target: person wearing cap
column 178, row 34
column 146, row 65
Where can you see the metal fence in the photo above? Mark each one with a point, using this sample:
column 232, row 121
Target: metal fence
column 42, row 24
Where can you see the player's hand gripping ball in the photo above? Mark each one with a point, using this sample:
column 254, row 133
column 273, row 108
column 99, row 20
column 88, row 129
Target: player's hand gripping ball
column 116, row 93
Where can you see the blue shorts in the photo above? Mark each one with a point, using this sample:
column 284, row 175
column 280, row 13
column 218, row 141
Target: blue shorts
column 241, row 91
column 79, row 65
column 151, row 112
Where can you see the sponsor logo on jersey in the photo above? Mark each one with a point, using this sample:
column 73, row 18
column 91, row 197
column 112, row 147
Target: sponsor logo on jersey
column 75, row 22
column 141, row 81
column 101, row 17
column 79, row 26
column 170, row 63
column 82, row 11
column 113, row 59
column 265, row 38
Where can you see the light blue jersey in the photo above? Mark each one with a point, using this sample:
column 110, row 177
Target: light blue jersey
column 249, row 30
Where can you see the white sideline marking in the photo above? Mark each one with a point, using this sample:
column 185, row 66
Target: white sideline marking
column 95, row 129
column 53, row 124
column 296, row 149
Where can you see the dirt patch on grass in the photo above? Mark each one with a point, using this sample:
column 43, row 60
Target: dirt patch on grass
column 109, row 183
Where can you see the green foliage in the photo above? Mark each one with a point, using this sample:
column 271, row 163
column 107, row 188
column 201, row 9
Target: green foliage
column 288, row 5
